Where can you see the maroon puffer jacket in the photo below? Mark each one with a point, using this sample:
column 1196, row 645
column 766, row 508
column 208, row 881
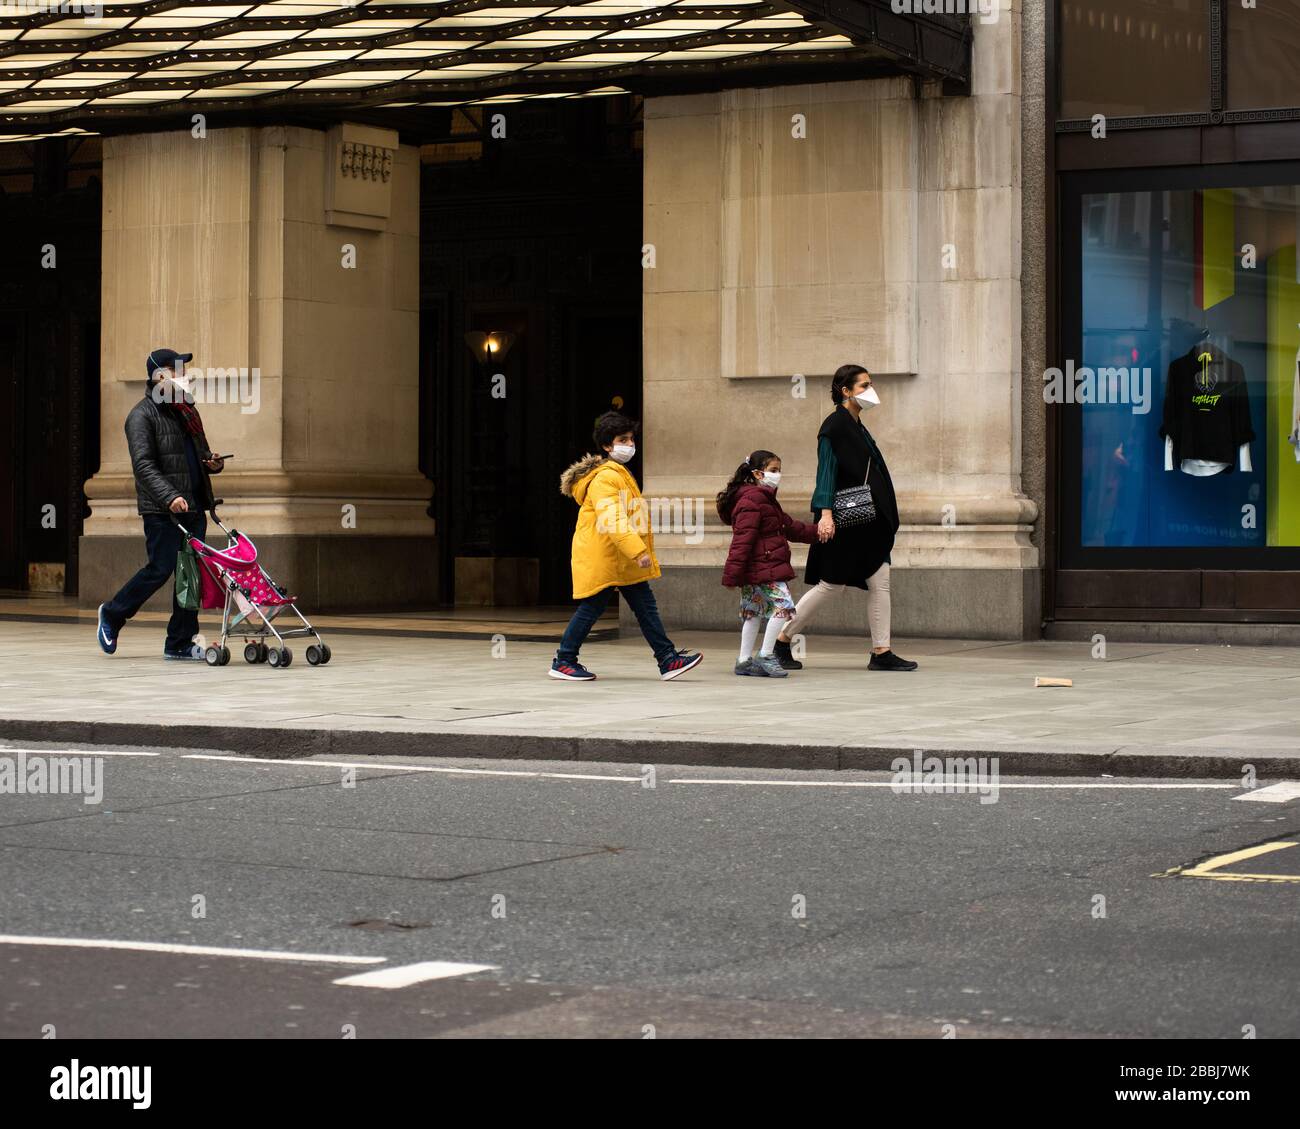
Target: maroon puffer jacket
column 760, row 539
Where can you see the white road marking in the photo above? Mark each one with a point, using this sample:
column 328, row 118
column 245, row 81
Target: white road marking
column 407, row 974
column 919, row 788
column 190, row 950
column 1270, row 794
column 75, row 752
column 1281, row 793
column 408, row 767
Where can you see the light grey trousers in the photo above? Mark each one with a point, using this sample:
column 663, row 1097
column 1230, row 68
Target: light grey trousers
column 878, row 609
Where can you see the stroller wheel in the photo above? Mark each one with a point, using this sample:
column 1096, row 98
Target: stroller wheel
column 225, row 656
column 212, row 656
column 313, row 655
column 252, row 653
column 325, row 653
column 281, row 657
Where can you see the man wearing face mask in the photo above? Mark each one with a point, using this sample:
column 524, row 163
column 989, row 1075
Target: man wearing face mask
column 858, row 555
column 171, row 461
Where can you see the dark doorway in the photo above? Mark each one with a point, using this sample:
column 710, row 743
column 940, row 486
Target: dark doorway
column 535, row 238
column 49, row 356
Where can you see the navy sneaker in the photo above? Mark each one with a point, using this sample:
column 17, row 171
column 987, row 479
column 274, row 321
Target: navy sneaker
column 106, row 635
column 190, row 654
column 678, row 663
column 570, row 671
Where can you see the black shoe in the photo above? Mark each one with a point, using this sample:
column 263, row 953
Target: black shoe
column 785, row 658
column 890, row 661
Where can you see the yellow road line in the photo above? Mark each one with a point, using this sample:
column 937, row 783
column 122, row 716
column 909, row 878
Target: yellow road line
column 1212, row 868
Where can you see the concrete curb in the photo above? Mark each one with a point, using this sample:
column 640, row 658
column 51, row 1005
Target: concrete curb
column 293, row 743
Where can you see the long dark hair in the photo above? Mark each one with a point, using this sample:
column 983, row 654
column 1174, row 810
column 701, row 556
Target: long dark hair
column 744, row 474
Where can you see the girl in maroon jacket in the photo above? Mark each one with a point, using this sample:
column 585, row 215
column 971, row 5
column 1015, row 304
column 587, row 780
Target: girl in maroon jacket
column 758, row 562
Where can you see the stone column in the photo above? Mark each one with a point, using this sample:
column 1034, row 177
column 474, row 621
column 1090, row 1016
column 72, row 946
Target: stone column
column 799, row 228
column 286, row 260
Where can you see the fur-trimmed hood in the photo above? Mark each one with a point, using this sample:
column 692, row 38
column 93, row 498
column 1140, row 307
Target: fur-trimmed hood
column 573, row 482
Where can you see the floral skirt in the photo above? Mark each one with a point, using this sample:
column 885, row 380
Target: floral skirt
column 766, row 600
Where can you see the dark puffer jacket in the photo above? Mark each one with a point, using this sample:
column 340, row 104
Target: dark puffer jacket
column 760, row 539
column 156, row 439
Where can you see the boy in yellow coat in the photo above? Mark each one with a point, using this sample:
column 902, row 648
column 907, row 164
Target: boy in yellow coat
column 613, row 547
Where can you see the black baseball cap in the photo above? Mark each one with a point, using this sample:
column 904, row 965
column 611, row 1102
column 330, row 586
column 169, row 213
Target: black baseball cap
column 165, row 358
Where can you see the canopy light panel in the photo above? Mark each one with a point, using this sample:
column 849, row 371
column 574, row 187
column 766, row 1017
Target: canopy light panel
column 69, row 65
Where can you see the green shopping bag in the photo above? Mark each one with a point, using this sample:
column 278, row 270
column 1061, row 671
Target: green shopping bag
column 189, row 587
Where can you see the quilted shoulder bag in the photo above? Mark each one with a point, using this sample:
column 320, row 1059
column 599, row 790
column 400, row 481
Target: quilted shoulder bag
column 855, row 505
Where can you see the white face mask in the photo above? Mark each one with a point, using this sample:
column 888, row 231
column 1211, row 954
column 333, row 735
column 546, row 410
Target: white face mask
column 622, row 452
column 771, row 478
column 172, row 386
column 867, row 399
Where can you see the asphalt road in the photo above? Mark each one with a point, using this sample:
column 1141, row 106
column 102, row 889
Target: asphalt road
column 796, row 904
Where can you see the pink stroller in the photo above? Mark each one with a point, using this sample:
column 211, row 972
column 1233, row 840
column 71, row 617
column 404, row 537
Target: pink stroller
column 251, row 602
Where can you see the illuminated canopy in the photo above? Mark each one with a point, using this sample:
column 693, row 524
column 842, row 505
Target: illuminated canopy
column 61, row 69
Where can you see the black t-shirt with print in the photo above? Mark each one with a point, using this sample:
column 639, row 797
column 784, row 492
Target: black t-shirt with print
column 1207, row 408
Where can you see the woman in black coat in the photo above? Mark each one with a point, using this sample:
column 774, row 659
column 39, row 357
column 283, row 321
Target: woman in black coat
column 856, row 556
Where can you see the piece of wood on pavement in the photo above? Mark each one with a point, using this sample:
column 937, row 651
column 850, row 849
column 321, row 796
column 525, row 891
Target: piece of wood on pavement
column 1053, row 682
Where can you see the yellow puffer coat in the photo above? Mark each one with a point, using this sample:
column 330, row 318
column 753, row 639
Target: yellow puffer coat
column 613, row 526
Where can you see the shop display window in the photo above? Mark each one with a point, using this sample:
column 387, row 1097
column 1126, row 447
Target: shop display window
column 1186, row 382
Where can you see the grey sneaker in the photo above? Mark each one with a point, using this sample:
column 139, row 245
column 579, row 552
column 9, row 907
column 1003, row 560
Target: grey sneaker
column 771, row 666
column 746, row 666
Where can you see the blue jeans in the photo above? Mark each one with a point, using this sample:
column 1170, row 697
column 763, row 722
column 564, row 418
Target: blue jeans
column 163, row 540
column 642, row 602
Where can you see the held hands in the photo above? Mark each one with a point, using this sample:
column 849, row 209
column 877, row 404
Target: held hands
column 825, row 527
column 179, row 505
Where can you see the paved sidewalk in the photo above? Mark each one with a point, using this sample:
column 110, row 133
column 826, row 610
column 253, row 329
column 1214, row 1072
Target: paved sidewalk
column 1145, row 709
column 543, row 624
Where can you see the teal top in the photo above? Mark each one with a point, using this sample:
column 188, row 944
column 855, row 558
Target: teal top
column 827, row 468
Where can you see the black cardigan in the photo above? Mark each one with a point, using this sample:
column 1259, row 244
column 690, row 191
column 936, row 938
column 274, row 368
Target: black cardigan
column 854, row 554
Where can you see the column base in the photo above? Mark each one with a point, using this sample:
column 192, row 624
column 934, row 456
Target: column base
column 327, row 572
column 943, row 603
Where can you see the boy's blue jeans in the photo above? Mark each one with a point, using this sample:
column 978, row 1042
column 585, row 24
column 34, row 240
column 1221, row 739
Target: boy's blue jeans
column 642, row 602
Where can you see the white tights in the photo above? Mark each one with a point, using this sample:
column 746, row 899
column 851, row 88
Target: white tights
column 749, row 636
